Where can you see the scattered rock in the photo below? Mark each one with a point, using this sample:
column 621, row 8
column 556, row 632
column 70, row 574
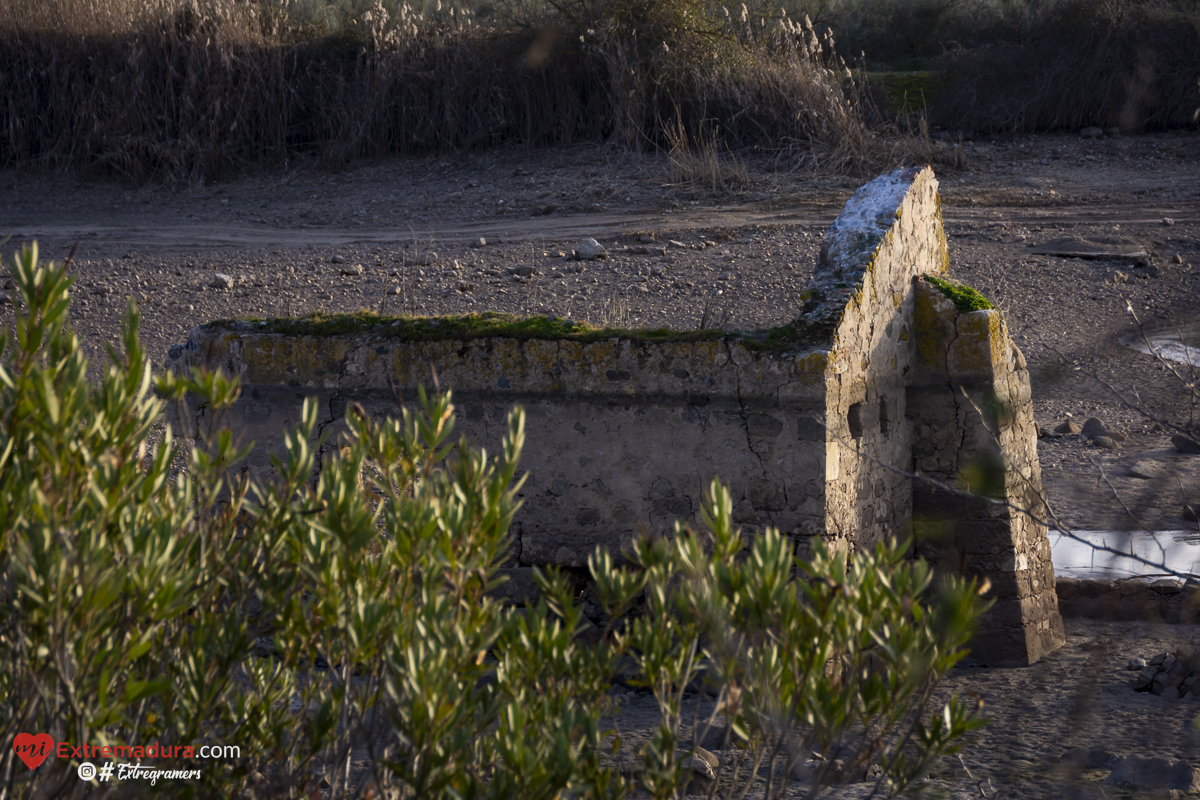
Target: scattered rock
column 1167, row 221
column 703, row 762
column 1155, row 774
column 703, row 767
column 5, row 299
column 590, row 249
column 337, row 259
column 480, row 242
column 1177, row 259
column 1185, row 444
column 353, row 269
column 1105, row 442
column 1095, row 429
column 646, row 239
column 425, row 258
column 1170, row 675
column 222, row 281
column 675, row 243
column 1136, row 664
column 1147, row 470
column 1091, row 132
column 394, row 290
column 1068, row 428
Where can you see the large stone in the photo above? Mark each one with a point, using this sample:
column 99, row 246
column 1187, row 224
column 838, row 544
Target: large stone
column 1095, row 429
column 1185, row 444
column 1068, row 427
column 589, row 249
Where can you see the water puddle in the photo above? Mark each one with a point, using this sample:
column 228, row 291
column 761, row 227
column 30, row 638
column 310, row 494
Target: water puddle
column 1079, row 557
column 1180, row 344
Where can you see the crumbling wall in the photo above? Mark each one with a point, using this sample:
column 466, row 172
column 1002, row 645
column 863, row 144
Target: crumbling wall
column 862, row 291
column 816, row 429
column 621, row 434
column 974, row 431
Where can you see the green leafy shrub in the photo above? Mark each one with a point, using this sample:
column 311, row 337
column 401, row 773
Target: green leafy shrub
column 136, row 594
column 822, row 669
column 340, row 632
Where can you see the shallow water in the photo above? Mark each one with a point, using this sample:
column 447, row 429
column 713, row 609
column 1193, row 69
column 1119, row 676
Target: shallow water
column 1180, row 344
column 1079, row 557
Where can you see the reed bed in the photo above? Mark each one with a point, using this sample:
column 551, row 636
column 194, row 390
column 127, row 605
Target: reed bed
column 199, row 89
column 1127, row 64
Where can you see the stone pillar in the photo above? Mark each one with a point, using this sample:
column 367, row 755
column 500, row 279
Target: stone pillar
column 973, row 423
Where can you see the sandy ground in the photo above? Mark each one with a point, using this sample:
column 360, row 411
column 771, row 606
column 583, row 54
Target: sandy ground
column 740, row 259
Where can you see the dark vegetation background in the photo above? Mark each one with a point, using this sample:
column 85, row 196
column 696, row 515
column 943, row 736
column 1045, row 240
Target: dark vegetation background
column 197, row 89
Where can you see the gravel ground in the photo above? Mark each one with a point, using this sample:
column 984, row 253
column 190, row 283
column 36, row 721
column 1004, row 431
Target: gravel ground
column 681, row 256
column 1080, row 697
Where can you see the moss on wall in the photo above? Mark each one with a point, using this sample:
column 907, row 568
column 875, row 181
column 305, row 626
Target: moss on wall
column 466, row 327
column 965, row 298
column 461, row 327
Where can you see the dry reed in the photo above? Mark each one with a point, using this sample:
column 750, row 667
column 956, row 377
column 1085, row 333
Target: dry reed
column 1128, row 64
column 198, row 89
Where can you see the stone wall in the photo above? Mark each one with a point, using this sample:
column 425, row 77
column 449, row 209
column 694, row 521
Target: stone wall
column 621, row 434
column 974, row 430
column 889, row 232
column 1164, row 600
column 813, row 427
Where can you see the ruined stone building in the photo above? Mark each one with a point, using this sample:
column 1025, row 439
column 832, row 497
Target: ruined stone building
column 818, row 429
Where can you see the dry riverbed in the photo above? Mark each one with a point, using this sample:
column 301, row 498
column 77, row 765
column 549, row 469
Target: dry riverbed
column 403, row 237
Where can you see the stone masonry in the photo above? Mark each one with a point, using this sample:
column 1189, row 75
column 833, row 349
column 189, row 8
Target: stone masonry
column 974, row 429
column 817, row 437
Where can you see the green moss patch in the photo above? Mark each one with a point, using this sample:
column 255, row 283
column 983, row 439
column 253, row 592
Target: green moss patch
column 965, row 298
column 462, row 327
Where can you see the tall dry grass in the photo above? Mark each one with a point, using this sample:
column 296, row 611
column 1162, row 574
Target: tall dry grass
column 197, row 89
column 1128, row 64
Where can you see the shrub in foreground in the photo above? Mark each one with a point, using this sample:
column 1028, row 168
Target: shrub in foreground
column 340, row 632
